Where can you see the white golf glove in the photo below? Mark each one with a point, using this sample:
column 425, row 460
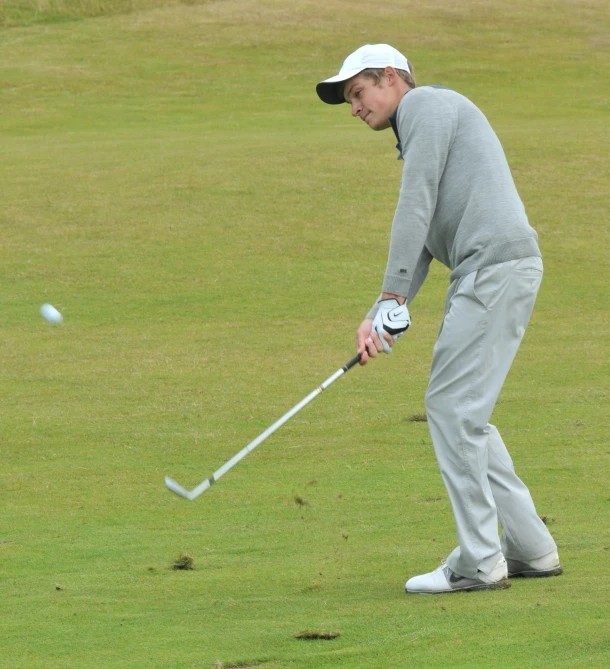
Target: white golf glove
column 392, row 318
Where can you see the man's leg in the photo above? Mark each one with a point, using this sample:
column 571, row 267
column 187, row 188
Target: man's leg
column 524, row 535
column 486, row 316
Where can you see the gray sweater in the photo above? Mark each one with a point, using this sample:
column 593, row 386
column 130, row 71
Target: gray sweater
column 458, row 202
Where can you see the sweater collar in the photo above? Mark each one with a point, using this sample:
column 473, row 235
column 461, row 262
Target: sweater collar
column 394, row 123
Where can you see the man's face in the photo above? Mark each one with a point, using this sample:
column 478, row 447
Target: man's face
column 373, row 103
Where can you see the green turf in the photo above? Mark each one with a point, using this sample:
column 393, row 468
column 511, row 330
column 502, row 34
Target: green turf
column 213, row 236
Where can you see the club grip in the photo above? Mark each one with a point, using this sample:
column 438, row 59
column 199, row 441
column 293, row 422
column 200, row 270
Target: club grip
column 352, row 362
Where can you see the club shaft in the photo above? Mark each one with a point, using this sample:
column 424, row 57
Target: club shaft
column 202, row 487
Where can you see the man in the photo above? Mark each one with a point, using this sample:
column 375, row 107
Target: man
column 458, row 204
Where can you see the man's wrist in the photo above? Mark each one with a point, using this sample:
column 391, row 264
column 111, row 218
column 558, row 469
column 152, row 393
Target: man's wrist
column 389, row 296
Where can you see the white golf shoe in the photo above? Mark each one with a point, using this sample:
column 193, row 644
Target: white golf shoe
column 547, row 565
column 444, row 580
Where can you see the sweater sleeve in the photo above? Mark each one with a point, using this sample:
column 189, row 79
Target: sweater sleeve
column 419, row 276
column 426, row 127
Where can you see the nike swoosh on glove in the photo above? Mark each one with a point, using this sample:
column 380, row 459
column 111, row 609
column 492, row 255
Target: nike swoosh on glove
column 393, row 318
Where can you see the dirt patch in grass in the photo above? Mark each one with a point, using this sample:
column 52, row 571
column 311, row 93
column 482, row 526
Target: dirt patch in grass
column 184, row 562
column 418, row 418
column 312, row 635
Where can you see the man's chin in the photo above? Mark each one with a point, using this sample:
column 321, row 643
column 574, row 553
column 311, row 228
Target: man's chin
column 384, row 125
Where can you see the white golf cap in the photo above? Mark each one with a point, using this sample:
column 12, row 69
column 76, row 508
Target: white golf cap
column 367, row 56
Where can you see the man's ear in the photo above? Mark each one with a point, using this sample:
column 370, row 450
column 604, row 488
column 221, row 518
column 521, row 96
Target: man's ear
column 391, row 75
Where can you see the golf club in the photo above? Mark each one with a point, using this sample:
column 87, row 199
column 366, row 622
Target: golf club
column 204, row 485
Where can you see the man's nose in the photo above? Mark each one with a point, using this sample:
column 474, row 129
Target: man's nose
column 356, row 107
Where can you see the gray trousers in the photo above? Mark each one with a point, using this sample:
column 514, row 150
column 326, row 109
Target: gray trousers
column 486, row 314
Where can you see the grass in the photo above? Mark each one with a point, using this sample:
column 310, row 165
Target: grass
column 213, row 235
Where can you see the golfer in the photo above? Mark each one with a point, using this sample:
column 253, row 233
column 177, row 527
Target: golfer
column 457, row 204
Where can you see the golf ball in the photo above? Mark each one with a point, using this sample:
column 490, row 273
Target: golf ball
column 50, row 313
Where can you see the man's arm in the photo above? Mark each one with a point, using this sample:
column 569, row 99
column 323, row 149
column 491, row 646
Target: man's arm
column 419, row 276
column 426, row 126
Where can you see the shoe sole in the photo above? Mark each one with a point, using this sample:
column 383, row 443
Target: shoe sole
column 536, row 573
column 498, row 585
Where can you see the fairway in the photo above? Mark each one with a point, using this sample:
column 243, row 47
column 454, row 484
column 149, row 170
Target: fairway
column 213, row 235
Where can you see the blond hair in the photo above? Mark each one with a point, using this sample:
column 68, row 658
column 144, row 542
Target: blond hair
column 376, row 74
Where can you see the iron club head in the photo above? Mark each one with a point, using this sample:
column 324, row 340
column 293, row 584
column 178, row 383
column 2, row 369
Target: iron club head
column 177, row 488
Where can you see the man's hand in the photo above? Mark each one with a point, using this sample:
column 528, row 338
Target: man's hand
column 379, row 334
column 392, row 319
column 367, row 348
